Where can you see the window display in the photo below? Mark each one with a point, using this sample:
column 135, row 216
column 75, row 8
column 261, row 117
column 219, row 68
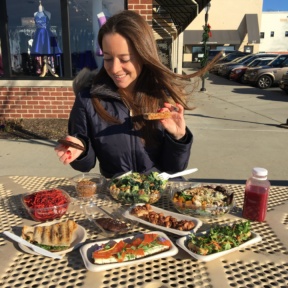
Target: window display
column 45, row 43
column 35, row 35
column 35, row 38
column 91, row 14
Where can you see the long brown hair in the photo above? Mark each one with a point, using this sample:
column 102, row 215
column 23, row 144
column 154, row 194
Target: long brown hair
column 156, row 84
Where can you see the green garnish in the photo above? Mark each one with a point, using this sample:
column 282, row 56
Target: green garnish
column 52, row 248
column 220, row 238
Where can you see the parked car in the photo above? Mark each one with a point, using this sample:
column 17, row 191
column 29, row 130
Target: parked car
column 266, row 76
column 283, row 84
column 228, row 58
column 225, row 68
column 237, row 74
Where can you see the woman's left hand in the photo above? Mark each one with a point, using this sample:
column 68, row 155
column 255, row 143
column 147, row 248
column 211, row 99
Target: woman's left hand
column 176, row 125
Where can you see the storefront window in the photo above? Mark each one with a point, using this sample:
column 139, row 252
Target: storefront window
column 85, row 21
column 198, row 53
column 36, row 35
column 35, row 38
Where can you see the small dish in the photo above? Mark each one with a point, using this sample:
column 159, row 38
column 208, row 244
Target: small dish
column 46, row 205
column 177, row 216
column 88, row 184
column 79, row 237
column 114, row 221
column 87, row 250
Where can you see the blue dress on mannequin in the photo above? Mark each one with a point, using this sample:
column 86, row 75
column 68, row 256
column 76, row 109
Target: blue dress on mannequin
column 42, row 42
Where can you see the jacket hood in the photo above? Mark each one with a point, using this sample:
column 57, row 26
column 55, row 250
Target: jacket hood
column 103, row 87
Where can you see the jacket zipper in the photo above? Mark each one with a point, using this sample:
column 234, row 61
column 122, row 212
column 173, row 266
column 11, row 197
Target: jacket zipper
column 131, row 138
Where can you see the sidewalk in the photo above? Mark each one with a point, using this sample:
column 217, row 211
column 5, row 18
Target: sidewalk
column 235, row 128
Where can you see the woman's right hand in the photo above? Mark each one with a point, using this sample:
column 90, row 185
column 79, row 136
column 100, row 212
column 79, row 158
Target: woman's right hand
column 68, row 154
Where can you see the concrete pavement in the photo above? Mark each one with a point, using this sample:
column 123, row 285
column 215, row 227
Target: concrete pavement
column 235, row 128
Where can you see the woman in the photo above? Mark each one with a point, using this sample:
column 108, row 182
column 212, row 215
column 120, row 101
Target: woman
column 107, row 116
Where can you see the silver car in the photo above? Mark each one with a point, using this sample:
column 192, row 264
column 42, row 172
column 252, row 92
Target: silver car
column 266, row 76
column 225, row 69
column 283, row 84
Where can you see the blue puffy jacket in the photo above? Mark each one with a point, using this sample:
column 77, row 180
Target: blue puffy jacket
column 118, row 147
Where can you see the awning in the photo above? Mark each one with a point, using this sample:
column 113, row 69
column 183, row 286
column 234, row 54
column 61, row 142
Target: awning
column 221, row 37
column 173, row 16
column 252, row 28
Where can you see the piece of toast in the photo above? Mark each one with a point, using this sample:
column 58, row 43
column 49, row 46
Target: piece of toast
column 59, row 234
column 157, row 116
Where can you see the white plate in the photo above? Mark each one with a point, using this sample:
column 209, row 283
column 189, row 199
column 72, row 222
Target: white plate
column 87, row 250
column 79, row 236
column 181, row 243
column 197, row 222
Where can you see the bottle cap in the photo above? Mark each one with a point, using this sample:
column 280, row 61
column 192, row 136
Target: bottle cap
column 259, row 172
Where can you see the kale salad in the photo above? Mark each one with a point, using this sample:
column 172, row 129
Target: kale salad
column 137, row 188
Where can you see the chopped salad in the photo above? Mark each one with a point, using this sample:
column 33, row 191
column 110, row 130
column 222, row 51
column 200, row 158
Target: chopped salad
column 220, row 238
column 138, row 188
column 202, row 196
column 204, row 200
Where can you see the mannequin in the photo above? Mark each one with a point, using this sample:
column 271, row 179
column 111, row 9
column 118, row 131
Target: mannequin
column 41, row 41
column 44, row 41
column 41, row 10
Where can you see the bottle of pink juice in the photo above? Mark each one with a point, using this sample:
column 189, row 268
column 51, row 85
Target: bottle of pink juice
column 256, row 195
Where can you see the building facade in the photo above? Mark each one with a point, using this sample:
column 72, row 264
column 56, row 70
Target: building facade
column 234, row 26
column 274, row 31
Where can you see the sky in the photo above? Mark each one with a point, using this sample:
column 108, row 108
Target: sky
column 275, row 5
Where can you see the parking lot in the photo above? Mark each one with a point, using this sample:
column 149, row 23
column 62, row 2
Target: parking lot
column 236, row 127
column 262, row 70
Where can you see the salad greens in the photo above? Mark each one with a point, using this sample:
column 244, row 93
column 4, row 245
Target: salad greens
column 137, row 188
column 220, row 238
column 51, row 248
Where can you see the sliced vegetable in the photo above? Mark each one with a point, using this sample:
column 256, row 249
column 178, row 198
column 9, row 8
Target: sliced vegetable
column 129, row 249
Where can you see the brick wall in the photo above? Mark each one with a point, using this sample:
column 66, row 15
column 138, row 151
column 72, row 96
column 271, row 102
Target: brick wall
column 35, row 102
column 38, row 101
column 143, row 7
